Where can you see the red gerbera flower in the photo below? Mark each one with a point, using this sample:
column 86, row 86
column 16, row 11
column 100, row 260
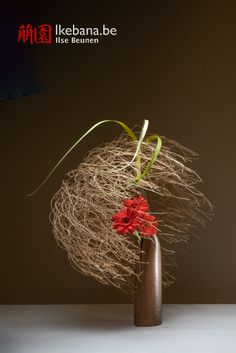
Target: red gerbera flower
column 139, row 204
column 149, row 224
column 125, row 221
column 134, row 219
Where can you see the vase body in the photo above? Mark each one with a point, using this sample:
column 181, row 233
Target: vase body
column 148, row 300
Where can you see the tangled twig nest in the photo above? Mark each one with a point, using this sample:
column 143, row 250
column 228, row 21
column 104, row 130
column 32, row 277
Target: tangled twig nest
column 82, row 208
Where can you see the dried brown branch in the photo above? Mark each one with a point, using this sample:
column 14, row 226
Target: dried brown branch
column 82, row 209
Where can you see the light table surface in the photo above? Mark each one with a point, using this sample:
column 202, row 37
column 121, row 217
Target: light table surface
column 109, row 329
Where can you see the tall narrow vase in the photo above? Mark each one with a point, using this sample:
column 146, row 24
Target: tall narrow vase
column 148, row 301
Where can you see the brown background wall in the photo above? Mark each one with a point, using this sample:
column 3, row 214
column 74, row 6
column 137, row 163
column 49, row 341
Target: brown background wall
column 172, row 62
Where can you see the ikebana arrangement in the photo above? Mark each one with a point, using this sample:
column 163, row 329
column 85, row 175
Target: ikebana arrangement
column 121, row 212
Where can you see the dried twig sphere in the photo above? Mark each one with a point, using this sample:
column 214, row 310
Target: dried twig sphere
column 82, row 208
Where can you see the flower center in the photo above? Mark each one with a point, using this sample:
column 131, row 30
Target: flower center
column 125, row 220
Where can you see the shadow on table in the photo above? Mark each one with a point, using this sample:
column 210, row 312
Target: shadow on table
column 76, row 317
column 104, row 318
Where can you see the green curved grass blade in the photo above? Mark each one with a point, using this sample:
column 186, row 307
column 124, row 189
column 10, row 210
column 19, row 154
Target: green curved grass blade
column 154, row 156
column 124, row 126
column 139, row 144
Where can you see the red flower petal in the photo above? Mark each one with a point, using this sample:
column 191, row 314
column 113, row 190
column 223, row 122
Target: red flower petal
column 139, row 204
column 149, row 225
